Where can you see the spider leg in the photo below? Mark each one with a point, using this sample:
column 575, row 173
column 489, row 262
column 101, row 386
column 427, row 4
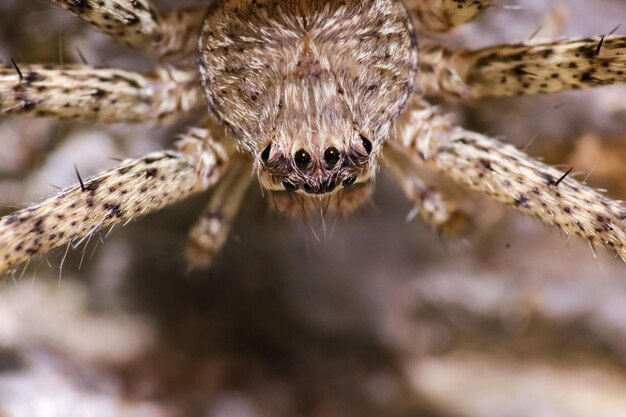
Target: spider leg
column 104, row 95
column 501, row 171
column 181, row 29
column 444, row 15
column 429, row 203
column 521, row 69
column 131, row 189
column 210, row 232
column 139, row 24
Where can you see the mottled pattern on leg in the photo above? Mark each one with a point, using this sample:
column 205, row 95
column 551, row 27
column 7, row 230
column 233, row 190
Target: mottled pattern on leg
column 134, row 22
column 501, row 171
column 137, row 23
column 181, row 29
column 432, row 207
column 444, row 15
column 103, row 95
column 133, row 188
column 210, row 232
column 510, row 70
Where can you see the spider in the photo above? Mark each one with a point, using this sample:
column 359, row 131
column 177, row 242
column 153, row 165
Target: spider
column 310, row 96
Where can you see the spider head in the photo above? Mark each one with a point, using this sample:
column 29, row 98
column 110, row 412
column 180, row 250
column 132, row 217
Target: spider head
column 316, row 171
column 334, row 173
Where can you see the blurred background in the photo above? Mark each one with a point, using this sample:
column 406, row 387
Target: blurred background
column 383, row 318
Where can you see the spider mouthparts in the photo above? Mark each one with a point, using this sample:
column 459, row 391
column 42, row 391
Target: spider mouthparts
column 341, row 202
column 320, row 188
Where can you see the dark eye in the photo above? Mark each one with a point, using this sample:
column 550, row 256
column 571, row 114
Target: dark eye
column 289, row 186
column 349, row 181
column 331, row 157
column 303, row 159
column 265, row 155
column 366, row 144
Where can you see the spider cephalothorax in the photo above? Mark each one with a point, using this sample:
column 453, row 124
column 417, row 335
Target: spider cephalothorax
column 312, row 94
column 309, row 88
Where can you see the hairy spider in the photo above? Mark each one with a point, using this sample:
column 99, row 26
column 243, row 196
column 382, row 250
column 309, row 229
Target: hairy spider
column 314, row 93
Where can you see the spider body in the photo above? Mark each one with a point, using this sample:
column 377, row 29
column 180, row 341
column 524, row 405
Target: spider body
column 313, row 94
column 315, row 85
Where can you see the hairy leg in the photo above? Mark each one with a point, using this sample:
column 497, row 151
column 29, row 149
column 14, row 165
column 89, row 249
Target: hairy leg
column 520, row 69
column 138, row 23
column 444, row 15
column 429, row 204
column 119, row 195
column 182, row 29
column 211, row 230
column 511, row 177
column 104, row 95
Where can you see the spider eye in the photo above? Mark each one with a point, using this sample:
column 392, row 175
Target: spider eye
column 331, row 157
column 349, row 181
column 265, row 155
column 303, row 159
column 366, row 144
column 289, row 186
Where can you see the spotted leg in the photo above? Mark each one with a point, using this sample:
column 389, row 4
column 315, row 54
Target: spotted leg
column 95, row 94
column 429, row 204
column 211, row 230
column 139, row 24
column 512, row 177
column 444, row 15
column 131, row 189
column 182, row 29
column 520, row 69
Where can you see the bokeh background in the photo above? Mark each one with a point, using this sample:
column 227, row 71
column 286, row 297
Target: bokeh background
column 382, row 317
